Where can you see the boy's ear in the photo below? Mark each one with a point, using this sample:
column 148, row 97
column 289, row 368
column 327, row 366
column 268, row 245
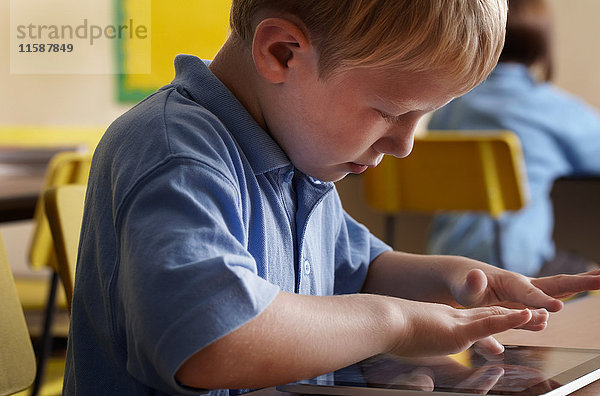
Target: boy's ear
column 276, row 47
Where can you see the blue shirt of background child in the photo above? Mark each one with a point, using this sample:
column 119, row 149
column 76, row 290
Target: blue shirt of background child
column 560, row 136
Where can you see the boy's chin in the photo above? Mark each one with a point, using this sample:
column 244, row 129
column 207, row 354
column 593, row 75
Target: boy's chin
column 331, row 174
column 331, row 177
column 340, row 177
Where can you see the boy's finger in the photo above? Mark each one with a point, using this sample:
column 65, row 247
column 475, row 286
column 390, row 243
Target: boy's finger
column 564, row 285
column 593, row 272
column 472, row 290
column 420, row 379
column 539, row 320
column 483, row 379
column 499, row 320
column 533, row 296
column 488, row 346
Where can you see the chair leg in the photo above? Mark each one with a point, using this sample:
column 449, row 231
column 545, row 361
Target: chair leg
column 390, row 229
column 44, row 347
column 498, row 242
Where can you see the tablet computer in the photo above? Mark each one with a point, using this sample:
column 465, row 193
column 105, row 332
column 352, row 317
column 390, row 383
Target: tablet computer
column 520, row 370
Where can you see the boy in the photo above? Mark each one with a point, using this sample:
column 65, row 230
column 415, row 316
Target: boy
column 220, row 256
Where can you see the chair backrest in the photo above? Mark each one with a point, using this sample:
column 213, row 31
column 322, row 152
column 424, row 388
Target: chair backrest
column 64, row 208
column 17, row 359
column 64, row 168
column 452, row 171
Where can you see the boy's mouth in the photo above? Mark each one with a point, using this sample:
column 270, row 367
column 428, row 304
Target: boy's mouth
column 356, row 167
column 359, row 168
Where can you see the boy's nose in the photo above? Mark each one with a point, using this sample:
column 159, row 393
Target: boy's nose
column 398, row 141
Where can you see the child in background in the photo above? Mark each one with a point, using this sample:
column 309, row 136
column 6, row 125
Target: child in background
column 215, row 253
column 559, row 134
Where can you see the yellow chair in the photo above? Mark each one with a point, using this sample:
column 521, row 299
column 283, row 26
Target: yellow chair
column 451, row 171
column 64, row 208
column 64, row 168
column 17, row 360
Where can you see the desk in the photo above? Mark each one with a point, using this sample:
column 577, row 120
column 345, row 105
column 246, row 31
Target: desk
column 576, row 326
column 577, row 215
column 24, row 154
column 19, row 194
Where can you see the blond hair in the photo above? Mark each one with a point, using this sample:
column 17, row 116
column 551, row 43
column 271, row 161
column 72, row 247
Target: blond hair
column 461, row 37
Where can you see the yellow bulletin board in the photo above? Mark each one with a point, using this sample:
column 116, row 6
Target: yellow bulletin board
column 196, row 27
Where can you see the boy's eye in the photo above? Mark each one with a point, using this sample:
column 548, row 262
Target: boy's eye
column 387, row 117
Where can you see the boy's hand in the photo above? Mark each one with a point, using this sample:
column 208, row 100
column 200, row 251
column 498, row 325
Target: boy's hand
column 461, row 281
column 492, row 286
column 437, row 329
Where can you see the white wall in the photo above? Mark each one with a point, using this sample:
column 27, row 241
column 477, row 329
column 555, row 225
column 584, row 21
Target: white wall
column 578, row 47
column 75, row 99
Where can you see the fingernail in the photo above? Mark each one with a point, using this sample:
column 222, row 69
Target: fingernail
column 495, row 371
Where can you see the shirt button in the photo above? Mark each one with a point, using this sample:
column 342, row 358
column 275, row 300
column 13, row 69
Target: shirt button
column 306, row 267
column 289, row 175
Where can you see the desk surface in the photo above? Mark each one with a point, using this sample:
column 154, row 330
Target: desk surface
column 575, row 326
column 19, row 194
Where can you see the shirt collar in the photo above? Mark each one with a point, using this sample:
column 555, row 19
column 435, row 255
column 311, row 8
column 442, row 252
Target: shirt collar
column 263, row 153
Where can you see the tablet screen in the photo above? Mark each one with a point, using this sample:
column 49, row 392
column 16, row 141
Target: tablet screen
column 520, row 370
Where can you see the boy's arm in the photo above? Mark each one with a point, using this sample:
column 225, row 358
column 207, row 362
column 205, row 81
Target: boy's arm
column 304, row 336
column 300, row 336
column 460, row 281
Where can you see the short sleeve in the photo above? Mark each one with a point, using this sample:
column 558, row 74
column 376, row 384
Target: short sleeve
column 185, row 278
column 356, row 248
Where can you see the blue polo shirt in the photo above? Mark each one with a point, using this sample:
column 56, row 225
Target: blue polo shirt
column 194, row 220
column 560, row 136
